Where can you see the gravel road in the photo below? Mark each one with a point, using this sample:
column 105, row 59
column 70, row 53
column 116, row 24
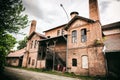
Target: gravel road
column 20, row 74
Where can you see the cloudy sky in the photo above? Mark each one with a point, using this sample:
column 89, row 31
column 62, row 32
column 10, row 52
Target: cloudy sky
column 49, row 13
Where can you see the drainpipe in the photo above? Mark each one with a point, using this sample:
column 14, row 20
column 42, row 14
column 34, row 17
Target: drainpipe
column 66, row 52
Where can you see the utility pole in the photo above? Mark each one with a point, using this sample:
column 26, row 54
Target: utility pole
column 66, row 39
column 64, row 11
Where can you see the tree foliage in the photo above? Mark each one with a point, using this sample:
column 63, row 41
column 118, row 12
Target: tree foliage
column 11, row 21
column 22, row 43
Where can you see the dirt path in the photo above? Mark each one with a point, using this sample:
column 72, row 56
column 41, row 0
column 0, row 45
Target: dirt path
column 20, row 74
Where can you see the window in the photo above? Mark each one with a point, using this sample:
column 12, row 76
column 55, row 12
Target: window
column 84, row 61
column 48, row 36
column 29, row 60
column 74, row 62
column 31, row 44
column 33, row 61
column 83, row 35
column 14, row 60
column 62, row 31
column 58, row 32
column 35, row 44
column 74, row 36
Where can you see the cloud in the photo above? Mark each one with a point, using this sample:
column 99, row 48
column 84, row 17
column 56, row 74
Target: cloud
column 104, row 5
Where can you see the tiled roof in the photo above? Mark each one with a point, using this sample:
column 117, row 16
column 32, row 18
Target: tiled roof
column 111, row 26
column 112, row 43
column 40, row 35
column 76, row 18
column 18, row 53
column 55, row 27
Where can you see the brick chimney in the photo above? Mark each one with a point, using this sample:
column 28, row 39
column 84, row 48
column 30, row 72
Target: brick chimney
column 73, row 14
column 93, row 10
column 33, row 26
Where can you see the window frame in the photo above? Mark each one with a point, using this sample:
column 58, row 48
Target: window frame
column 74, row 62
column 33, row 62
column 74, row 36
column 58, row 32
column 35, row 45
column 31, row 44
column 29, row 60
column 83, row 35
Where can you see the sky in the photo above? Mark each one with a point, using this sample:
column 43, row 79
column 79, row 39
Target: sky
column 49, row 13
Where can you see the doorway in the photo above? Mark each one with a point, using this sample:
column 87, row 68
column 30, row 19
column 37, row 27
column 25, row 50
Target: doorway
column 113, row 63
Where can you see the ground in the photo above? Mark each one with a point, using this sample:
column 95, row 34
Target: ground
column 20, row 74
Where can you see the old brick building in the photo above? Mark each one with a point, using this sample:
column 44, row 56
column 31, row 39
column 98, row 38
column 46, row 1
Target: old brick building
column 76, row 46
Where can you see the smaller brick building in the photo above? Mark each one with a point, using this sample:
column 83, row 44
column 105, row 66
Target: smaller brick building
column 112, row 49
column 15, row 58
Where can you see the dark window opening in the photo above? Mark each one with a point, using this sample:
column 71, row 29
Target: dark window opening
column 83, row 35
column 74, row 62
column 14, row 60
column 48, row 36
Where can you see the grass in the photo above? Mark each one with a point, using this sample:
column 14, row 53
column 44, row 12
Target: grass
column 66, row 74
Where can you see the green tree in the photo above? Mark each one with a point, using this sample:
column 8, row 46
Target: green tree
column 11, row 21
column 8, row 41
column 22, row 43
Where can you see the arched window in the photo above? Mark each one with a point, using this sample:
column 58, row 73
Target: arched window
column 84, row 61
column 83, row 35
column 35, row 44
column 74, row 36
column 74, row 62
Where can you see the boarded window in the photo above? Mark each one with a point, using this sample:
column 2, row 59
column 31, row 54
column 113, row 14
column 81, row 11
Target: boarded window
column 84, row 61
column 83, row 35
column 74, row 36
column 74, row 62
